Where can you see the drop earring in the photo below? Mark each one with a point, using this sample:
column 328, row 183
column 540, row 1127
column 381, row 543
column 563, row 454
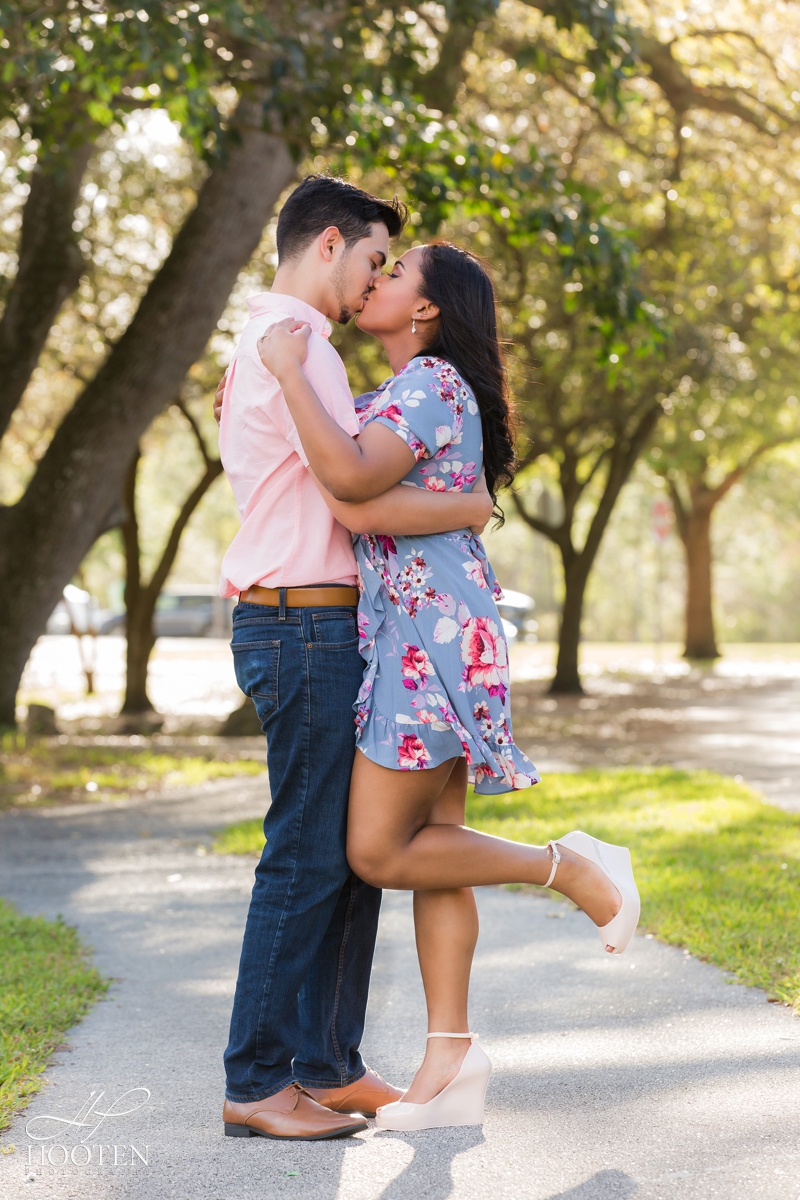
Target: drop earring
column 413, row 325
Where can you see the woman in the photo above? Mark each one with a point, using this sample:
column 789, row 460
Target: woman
column 434, row 703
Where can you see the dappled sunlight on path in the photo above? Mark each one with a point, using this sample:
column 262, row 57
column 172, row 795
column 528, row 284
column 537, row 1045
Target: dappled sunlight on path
column 739, row 716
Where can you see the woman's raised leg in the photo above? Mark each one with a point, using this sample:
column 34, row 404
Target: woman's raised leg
column 391, row 844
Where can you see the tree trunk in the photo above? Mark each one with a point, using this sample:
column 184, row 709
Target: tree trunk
column 50, row 267
column 139, row 605
column 139, row 647
column 567, row 680
column 701, row 641
column 578, row 565
column 440, row 87
column 141, row 599
column 45, row 536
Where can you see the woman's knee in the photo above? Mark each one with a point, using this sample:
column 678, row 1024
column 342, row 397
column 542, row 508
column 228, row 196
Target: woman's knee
column 371, row 862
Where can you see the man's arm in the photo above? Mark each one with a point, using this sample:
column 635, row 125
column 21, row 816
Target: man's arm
column 413, row 510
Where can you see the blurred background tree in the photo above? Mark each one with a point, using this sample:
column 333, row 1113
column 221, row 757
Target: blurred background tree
column 736, row 342
column 495, row 125
column 707, row 198
column 242, row 86
column 630, row 163
column 142, row 597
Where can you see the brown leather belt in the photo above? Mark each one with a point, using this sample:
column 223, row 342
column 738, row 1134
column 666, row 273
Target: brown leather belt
column 335, row 596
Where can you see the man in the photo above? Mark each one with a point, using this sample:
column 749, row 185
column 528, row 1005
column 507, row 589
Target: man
column 293, row 1065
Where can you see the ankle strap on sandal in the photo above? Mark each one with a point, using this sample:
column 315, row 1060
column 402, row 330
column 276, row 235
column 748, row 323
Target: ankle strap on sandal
column 556, row 860
column 474, row 1036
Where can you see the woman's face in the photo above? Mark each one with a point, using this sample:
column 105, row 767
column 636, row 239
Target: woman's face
column 395, row 297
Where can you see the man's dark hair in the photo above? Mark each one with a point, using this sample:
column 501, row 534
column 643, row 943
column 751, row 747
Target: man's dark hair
column 320, row 201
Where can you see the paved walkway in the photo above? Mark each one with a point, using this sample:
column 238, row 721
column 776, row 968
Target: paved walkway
column 646, row 1076
column 730, row 721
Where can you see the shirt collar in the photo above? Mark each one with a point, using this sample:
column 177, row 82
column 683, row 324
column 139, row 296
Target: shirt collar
column 270, row 301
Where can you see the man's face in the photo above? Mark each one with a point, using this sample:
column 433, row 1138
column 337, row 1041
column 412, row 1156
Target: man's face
column 356, row 270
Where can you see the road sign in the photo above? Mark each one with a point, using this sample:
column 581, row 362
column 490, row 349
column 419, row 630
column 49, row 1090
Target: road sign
column 661, row 519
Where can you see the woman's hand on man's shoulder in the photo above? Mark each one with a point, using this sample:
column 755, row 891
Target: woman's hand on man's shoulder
column 284, row 346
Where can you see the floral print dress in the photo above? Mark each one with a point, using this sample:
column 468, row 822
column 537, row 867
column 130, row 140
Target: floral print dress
column 436, row 681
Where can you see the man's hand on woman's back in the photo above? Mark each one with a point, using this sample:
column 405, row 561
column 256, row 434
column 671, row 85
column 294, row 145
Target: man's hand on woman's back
column 218, row 394
column 481, row 492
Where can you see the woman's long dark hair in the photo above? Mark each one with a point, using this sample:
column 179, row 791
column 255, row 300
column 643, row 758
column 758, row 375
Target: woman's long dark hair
column 459, row 285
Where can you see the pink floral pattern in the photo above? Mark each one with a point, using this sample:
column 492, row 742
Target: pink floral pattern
column 436, row 683
column 485, row 655
column 412, row 753
column 417, row 667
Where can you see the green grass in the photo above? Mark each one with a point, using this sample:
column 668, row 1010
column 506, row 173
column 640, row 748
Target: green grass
column 46, row 771
column 47, row 983
column 718, row 870
column 246, row 837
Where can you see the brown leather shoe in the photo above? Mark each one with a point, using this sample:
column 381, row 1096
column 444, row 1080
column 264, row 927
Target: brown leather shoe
column 365, row 1096
column 288, row 1116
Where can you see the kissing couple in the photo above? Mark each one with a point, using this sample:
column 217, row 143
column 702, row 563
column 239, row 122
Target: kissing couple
column 367, row 635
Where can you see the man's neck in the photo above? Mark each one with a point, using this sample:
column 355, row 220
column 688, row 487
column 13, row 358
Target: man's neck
column 302, row 286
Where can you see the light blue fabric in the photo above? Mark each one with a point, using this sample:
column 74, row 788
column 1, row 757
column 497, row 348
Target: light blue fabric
column 436, row 681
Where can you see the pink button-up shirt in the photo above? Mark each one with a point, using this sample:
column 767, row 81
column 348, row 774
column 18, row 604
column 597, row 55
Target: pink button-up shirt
column 288, row 535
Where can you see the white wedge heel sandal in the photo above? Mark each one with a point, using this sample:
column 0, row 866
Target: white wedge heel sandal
column 461, row 1102
column 615, row 863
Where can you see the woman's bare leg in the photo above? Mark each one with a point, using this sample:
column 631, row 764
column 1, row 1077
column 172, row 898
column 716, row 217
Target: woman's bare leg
column 405, row 830
column 391, row 844
column 446, row 927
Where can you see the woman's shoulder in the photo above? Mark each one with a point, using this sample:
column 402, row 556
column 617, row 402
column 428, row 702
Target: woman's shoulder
column 364, row 399
column 441, row 378
column 427, row 365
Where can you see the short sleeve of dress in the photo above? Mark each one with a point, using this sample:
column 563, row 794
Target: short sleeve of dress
column 365, row 405
column 417, row 406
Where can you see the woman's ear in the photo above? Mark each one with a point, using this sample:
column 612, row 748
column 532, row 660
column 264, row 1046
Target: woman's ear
column 426, row 311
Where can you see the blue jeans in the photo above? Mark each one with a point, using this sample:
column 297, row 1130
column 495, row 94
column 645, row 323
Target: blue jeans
column 301, row 995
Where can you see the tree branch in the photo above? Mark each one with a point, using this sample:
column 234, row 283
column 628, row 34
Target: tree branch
column 602, row 456
column 130, row 535
column 741, row 33
column 681, row 92
column 167, row 560
column 736, row 474
column 549, row 531
column 50, row 267
column 207, row 459
column 623, row 460
column 439, row 86
column 679, row 508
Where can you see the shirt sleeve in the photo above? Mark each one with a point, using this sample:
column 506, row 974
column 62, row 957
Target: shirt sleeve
column 413, row 407
column 326, row 373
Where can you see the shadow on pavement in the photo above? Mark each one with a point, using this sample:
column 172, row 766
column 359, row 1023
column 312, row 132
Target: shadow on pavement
column 613, row 1087
column 605, row 1185
column 429, row 1172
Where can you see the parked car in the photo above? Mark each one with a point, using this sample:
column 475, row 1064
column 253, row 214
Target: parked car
column 516, row 609
column 76, row 611
column 188, row 610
